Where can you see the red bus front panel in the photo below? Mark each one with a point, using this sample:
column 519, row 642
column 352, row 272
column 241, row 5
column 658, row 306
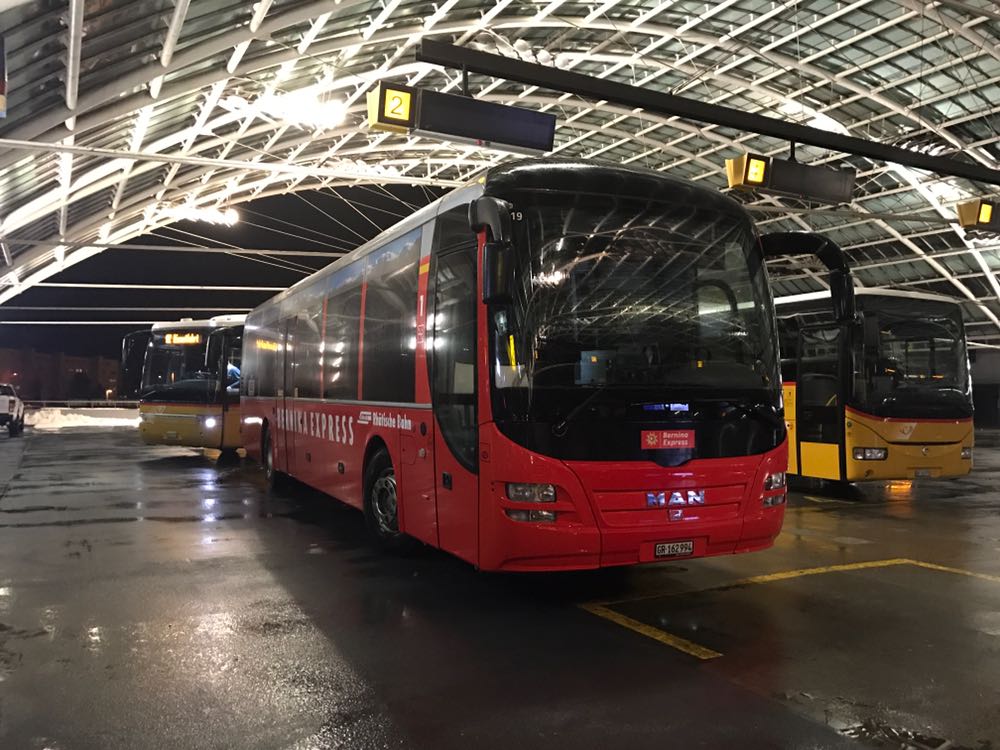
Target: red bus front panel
column 616, row 513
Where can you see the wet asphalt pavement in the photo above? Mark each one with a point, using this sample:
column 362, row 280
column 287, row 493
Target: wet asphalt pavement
column 152, row 598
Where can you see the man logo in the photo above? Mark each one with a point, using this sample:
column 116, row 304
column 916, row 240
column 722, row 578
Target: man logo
column 660, row 499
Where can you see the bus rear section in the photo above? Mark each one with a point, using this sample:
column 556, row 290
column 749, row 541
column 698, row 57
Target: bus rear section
column 559, row 377
column 886, row 396
column 189, row 393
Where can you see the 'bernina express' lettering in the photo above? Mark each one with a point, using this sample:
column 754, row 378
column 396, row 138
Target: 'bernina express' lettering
column 337, row 428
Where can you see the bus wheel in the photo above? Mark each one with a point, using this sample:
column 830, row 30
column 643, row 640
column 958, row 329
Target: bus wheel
column 275, row 479
column 229, row 456
column 381, row 503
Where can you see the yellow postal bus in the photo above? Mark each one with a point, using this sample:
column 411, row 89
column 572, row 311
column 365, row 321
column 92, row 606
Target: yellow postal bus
column 885, row 395
column 189, row 389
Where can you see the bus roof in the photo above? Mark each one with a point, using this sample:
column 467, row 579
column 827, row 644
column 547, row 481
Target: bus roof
column 219, row 321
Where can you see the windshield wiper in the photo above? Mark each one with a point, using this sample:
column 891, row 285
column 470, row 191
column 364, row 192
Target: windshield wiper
column 559, row 429
column 760, row 411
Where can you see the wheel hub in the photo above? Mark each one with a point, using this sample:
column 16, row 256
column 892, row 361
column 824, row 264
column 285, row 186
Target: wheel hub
column 384, row 504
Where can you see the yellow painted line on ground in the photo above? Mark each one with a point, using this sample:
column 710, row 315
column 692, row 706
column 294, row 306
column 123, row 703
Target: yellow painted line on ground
column 768, row 578
column 802, row 572
column 681, row 644
column 826, row 500
column 957, row 571
column 603, row 609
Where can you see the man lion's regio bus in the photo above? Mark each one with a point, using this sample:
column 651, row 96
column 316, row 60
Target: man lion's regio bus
column 568, row 365
column 885, row 396
column 190, row 382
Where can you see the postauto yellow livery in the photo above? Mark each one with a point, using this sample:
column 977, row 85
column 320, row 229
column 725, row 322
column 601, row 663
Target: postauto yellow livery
column 886, row 395
column 189, row 392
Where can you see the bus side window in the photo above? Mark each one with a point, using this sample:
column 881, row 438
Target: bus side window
column 390, row 322
column 340, row 340
column 454, row 335
column 308, row 335
column 265, row 344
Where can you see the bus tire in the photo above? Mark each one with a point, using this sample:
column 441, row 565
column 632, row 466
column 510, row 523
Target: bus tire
column 229, row 456
column 381, row 504
column 276, row 480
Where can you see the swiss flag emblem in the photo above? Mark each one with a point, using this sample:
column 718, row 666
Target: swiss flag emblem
column 667, row 439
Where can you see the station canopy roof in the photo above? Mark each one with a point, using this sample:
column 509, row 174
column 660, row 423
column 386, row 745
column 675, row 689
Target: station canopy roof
column 232, row 101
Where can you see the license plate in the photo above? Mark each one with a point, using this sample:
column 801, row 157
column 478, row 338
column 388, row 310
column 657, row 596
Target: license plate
column 674, row 549
column 922, row 473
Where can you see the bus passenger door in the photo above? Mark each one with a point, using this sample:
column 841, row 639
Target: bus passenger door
column 819, row 403
column 453, row 391
column 230, row 373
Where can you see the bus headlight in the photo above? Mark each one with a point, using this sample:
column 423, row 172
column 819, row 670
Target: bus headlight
column 531, row 493
column 871, row 454
column 967, row 453
column 210, row 422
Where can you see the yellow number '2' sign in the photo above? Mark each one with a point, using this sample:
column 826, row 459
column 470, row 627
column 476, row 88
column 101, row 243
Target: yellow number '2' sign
column 392, row 107
column 397, row 105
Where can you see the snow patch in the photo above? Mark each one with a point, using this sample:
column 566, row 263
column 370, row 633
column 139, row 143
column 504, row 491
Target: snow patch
column 60, row 419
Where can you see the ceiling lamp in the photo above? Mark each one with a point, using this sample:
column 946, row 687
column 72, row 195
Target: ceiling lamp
column 303, row 107
column 224, row 216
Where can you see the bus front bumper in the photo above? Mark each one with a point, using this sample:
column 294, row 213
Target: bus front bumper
column 193, row 426
column 912, row 461
column 610, row 514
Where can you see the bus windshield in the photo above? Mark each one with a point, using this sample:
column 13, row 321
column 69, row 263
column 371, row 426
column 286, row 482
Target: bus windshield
column 614, row 293
column 918, row 362
column 175, row 369
column 633, row 302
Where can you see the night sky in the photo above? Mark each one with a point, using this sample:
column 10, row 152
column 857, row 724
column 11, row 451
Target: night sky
column 311, row 221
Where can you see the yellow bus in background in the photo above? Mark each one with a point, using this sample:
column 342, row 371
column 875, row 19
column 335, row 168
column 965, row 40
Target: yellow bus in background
column 886, row 395
column 188, row 385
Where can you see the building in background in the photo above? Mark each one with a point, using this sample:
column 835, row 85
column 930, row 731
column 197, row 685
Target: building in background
column 41, row 376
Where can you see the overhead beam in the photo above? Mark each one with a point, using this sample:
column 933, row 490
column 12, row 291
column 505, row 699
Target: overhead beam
column 92, row 308
column 251, row 166
column 533, row 74
column 170, row 287
column 174, row 32
column 78, row 322
column 74, row 46
column 184, row 248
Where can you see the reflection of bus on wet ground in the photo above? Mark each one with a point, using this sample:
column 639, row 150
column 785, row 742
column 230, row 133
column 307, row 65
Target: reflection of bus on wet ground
column 885, row 396
column 186, row 376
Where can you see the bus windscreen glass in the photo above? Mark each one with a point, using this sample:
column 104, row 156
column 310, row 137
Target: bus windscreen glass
column 919, row 365
column 625, row 308
column 176, row 372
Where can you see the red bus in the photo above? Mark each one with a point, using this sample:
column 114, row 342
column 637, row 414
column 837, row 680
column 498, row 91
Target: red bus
column 567, row 365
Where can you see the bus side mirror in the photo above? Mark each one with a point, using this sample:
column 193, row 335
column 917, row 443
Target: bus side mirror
column 842, row 294
column 497, row 272
column 213, row 351
column 493, row 214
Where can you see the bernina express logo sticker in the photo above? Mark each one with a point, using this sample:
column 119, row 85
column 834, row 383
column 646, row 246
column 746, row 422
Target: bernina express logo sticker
column 662, row 500
column 667, row 439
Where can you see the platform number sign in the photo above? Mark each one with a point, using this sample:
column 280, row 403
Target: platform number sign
column 392, row 107
column 397, row 105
